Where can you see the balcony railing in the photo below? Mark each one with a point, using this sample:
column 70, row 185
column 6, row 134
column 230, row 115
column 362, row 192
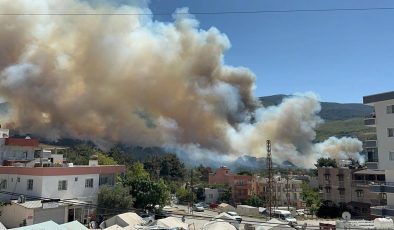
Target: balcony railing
column 370, row 120
column 383, row 187
column 370, row 144
column 382, row 210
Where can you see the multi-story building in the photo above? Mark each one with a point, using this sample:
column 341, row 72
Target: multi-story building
column 242, row 186
column 285, row 191
column 382, row 156
column 33, row 174
column 349, row 186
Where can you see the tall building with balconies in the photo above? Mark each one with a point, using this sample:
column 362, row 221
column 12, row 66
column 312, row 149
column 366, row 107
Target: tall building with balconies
column 381, row 151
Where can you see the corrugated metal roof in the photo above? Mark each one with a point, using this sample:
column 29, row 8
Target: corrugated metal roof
column 32, row 204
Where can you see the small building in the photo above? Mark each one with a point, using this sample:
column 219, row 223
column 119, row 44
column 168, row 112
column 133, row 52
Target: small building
column 211, row 195
column 31, row 212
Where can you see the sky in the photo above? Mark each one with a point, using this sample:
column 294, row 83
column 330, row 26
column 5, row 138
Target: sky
column 341, row 56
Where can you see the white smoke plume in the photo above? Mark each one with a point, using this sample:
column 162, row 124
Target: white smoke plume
column 138, row 81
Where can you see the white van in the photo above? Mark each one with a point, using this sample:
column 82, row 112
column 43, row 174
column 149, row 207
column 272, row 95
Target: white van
column 284, row 216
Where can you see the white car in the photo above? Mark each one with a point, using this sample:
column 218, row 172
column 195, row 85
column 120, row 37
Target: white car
column 236, row 216
column 198, row 208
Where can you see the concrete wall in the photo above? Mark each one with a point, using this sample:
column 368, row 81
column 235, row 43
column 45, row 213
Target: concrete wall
column 385, row 143
column 211, row 195
column 13, row 215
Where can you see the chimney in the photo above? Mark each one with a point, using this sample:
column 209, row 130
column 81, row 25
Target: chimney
column 93, row 161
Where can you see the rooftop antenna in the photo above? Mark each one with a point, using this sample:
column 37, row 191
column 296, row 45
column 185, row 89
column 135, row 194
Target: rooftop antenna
column 269, row 167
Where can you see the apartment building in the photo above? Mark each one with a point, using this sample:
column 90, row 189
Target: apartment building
column 349, row 186
column 30, row 174
column 382, row 156
column 242, row 186
column 286, row 191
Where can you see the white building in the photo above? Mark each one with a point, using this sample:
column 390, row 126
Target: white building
column 381, row 151
column 211, row 195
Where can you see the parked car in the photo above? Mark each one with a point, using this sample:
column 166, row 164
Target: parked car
column 213, row 206
column 237, row 217
column 202, row 204
column 149, row 218
column 198, row 208
column 161, row 215
column 300, row 212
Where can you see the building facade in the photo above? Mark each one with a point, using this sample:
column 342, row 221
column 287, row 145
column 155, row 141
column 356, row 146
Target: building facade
column 383, row 120
column 349, row 187
column 285, row 191
column 242, row 186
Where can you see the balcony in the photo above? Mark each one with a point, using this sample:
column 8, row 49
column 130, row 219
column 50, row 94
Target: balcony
column 370, row 120
column 370, row 144
column 372, row 165
column 383, row 187
column 382, row 210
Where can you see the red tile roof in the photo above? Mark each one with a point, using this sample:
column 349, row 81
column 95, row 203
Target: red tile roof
column 21, row 142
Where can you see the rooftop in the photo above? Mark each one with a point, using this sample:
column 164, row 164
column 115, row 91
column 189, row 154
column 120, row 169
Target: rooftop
column 57, row 171
column 24, row 142
column 378, row 97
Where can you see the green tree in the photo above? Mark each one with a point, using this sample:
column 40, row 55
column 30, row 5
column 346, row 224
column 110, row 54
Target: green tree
column 225, row 195
column 147, row 192
column 166, row 166
column 311, row 198
column 105, row 160
column 137, row 171
column 114, row 200
column 185, row 195
column 326, row 162
column 255, row 201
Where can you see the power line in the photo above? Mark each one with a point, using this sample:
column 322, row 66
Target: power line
column 203, row 12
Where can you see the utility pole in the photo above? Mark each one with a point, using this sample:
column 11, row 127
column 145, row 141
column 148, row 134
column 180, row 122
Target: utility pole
column 191, row 190
column 287, row 193
column 269, row 167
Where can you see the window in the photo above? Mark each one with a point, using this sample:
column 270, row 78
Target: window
column 390, row 132
column 360, row 193
column 327, row 176
column 391, row 156
column 62, row 185
column 342, row 192
column 383, row 196
column 340, row 177
column 30, row 184
column 3, row 184
column 76, row 179
column 89, row 183
column 18, row 179
column 390, row 109
column 328, row 190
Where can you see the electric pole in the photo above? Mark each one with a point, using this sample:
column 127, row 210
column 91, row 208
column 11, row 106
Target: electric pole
column 191, row 190
column 269, row 167
column 287, row 193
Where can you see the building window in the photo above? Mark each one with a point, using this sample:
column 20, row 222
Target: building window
column 340, row 177
column 383, row 196
column 390, row 109
column 328, row 190
column 62, row 185
column 327, row 176
column 76, row 179
column 391, row 155
column 3, row 184
column 342, row 192
column 390, row 132
column 360, row 193
column 18, row 179
column 89, row 183
column 30, row 184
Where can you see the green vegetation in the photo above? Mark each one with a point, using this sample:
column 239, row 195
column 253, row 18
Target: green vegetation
column 353, row 127
column 148, row 193
column 326, row 162
column 254, row 201
column 311, row 198
column 114, row 200
column 185, row 195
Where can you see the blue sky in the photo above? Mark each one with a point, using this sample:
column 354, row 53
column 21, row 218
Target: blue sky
column 340, row 55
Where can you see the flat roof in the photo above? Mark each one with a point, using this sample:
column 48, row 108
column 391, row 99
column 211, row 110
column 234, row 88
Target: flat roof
column 370, row 172
column 378, row 97
column 58, row 171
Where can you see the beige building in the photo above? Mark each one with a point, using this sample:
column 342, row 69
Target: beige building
column 350, row 187
column 285, row 191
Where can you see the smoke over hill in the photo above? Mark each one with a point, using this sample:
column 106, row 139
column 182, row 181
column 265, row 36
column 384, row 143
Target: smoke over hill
column 131, row 79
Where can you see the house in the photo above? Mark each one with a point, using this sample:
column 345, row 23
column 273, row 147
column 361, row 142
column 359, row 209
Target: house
column 242, row 186
column 211, row 195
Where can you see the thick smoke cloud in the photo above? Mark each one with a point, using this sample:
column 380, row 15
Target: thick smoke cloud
column 138, row 81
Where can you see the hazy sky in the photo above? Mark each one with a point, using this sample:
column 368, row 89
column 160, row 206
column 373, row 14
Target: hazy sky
column 340, row 55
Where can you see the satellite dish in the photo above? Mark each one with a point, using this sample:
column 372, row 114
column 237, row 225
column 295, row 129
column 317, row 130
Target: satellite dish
column 346, row 216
